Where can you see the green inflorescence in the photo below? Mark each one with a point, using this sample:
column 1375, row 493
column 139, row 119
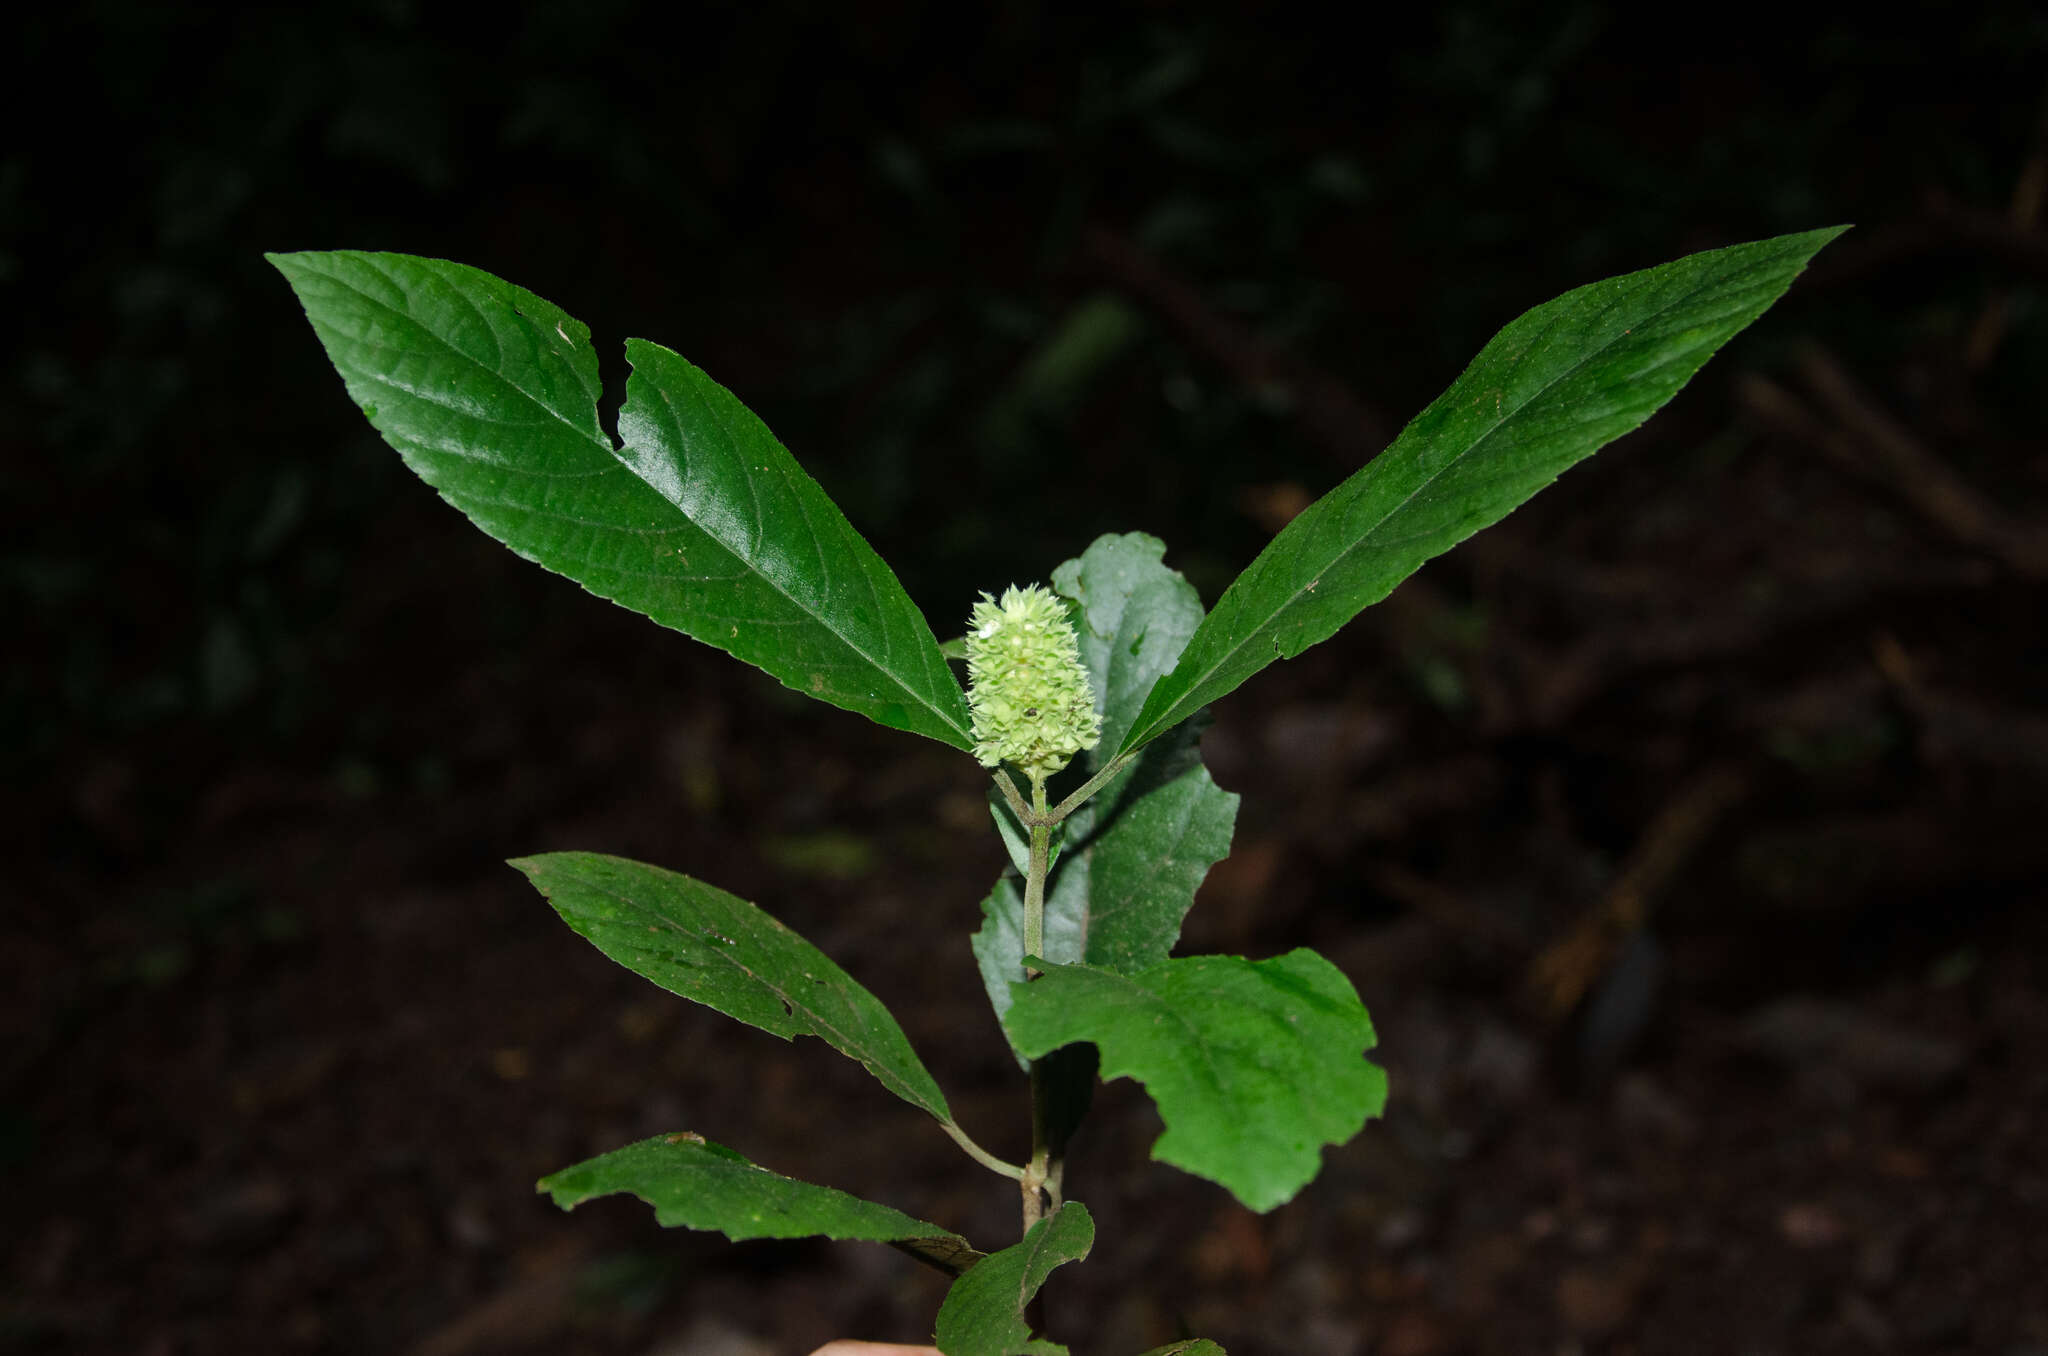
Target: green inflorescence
column 1026, row 689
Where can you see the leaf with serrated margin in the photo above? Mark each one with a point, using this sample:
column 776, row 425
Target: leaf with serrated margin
column 1254, row 1065
column 1134, row 855
column 1133, row 617
column 698, row 941
column 702, row 521
column 983, row 1314
column 1548, row 391
column 695, row 1184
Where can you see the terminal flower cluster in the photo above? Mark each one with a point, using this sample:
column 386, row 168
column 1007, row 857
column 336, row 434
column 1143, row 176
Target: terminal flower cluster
column 1026, row 689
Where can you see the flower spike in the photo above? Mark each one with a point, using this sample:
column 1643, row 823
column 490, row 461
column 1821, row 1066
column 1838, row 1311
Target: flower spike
column 1026, row 689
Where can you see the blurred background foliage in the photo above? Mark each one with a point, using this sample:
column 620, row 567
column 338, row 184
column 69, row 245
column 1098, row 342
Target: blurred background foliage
column 874, row 224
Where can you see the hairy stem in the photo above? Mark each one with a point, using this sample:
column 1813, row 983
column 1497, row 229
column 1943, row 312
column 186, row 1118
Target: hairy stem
column 1007, row 784
column 1034, row 814
column 1091, row 786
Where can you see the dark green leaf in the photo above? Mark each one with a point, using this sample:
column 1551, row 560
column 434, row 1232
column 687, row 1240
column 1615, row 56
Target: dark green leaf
column 698, row 941
column 695, row 1184
column 1254, row 1065
column 984, row 1311
column 1551, row 389
column 802, row 594
column 702, row 522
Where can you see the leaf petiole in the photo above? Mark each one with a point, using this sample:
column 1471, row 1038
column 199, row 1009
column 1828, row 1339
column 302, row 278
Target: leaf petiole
column 981, row 1155
column 1033, row 814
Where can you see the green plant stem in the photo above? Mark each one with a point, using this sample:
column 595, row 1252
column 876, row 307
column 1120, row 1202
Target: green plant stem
column 1041, row 1179
column 1090, row 787
column 1007, row 784
column 1039, row 1169
column 981, row 1155
column 1030, row 815
column 1034, row 878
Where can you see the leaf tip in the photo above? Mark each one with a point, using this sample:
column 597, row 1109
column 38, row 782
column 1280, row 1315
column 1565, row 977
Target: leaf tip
column 530, row 867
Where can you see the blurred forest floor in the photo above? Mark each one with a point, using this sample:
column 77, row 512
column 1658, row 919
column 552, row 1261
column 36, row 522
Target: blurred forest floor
column 1682, row 833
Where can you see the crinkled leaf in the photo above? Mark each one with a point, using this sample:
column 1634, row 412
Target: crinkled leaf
column 1254, row 1065
column 695, row 1184
column 1551, row 389
column 1138, row 851
column 1133, row 617
column 696, row 940
column 1134, row 855
column 984, row 1311
column 702, row 521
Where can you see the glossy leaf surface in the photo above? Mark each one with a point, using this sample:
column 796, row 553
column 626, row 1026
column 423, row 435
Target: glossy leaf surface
column 1254, row 1065
column 698, row 941
column 984, row 1311
column 702, row 520
column 695, row 1184
column 1552, row 388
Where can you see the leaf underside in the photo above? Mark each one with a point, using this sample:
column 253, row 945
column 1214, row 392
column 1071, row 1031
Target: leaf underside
column 1254, row 1065
column 1549, row 390
column 701, row 521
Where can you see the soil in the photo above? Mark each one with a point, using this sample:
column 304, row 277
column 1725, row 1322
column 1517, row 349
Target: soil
column 296, row 1045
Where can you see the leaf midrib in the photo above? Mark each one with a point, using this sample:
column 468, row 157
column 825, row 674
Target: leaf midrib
column 945, row 718
column 1160, row 722
column 818, row 619
column 821, row 1026
column 370, row 261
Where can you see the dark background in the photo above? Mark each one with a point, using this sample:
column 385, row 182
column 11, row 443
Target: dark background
column 1683, row 832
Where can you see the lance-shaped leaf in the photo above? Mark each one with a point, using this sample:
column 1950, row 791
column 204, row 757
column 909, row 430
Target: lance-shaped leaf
column 1551, row 389
column 1134, row 855
column 696, row 940
column 984, row 1311
column 702, row 522
column 695, row 1184
column 1254, row 1065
